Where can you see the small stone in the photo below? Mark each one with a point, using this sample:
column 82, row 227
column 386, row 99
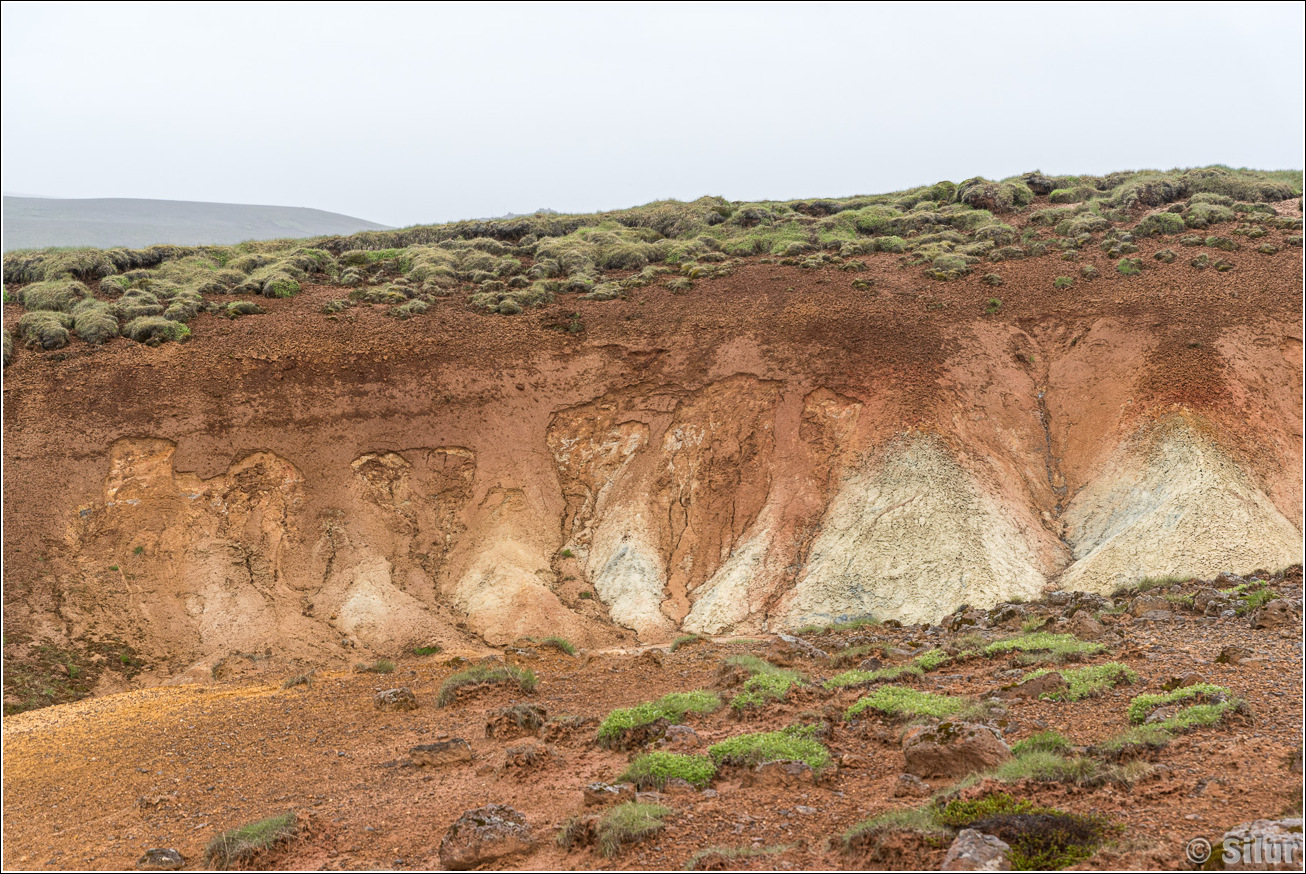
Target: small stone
column 680, row 737
column 401, row 698
column 852, row 761
column 1084, row 626
column 160, row 859
column 779, row 773
column 1233, row 655
column 605, row 793
column 1182, row 681
column 911, row 786
column 974, row 851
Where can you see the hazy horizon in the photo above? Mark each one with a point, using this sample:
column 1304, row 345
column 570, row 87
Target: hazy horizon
column 481, row 111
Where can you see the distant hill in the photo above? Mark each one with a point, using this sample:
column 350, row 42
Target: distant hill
column 37, row 222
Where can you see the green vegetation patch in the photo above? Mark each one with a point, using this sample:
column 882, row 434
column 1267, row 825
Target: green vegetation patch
column 239, row 845
column 1141, row 705
column 1044, row 742
column 1059, row 645
column 905, row 703
column 1041, row 838
column 789, row 744
column 559, row 643
column 724, row 858
column 523, row 679
column 1089, row 682
column 672, row 707
column 653, row 770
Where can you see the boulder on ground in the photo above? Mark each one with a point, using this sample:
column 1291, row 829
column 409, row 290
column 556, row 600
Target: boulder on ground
column 952, row 749
column 484, row 835
column 160, row 859
column 401, row 698
column 1279, row 613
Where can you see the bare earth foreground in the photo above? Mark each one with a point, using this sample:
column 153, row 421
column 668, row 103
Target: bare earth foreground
column 96, row 783
column 785, row 449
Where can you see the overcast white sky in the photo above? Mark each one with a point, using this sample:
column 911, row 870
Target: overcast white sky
column 407, row 114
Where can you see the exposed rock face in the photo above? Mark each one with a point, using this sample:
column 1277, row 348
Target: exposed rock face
column 484, row 835
column 636, row 492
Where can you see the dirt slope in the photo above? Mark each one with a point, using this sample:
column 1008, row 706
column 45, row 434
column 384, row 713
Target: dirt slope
column 775, row 449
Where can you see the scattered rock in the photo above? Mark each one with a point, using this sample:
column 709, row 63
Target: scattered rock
column 1182, row 681
column 870, row 664
column 608, row 793
column 779, row 773
column 160, row 859
column 1263, row 845
column 952, row 749
column 1156, row 616
column 1279, row 613
column 1084, row 626
column 652, row 657
column 1035, row 687
column 639, row 736
column 973, row 851
column 680, row 737
column 437, row 755
column 785, row 649
column 1145, row 603
column 396, row 699
column 484, row 835
column 852, row 761
column 1233, row 655
column 1161, row 714
column 911, row 786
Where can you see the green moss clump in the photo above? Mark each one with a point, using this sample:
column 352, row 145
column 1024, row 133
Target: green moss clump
column 1089, row 682
column 1129, row 266
column 44, row 329
column 155, row 330
column 748, row 750
column 1140, row 706
column 628, row 824
column 1043, row 741
column 1160, row 224
column 280, row 285
column 1044, row 642
column 673, row 707
column 653, row 770
column 58, row 295
column 1063, row 282
column 905, row 703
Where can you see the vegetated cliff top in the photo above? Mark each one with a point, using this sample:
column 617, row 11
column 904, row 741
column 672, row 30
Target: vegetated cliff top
column 943, row 232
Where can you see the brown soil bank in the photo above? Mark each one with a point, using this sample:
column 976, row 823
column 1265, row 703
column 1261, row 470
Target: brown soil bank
column 774, row 449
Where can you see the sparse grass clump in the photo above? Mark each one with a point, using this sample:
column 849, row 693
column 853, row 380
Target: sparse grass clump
column 904, row 703
column 628, row 824
column 380, row 666
column 685, row 640
column 240, row 845
column 58, row 295
column 561, row 644
column 653, row 770
column 768, row 683
column 1063, row 282
column 672, row 707
column 918, row 819
column 523, row 679
column 427, row 650
column 720, row 858
column 44, row 329
column 790, row 744
column 1042, row 742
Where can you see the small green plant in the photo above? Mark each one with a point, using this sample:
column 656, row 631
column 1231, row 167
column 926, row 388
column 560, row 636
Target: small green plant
column 138, row 550
column 790, row 744
column 720, row 858
column 523, row 679
column 917, row 819
column 298, row 680
column 672, row 707
column 1063, row 282
column 566, row 553
column 992, row 279
column 653, row 770
column 113, row 567
column 1129, row 266
column 586, row 595
column 240, row 845
column 905, row 703
column 1088, row 271
column 992, row 305
column 427, row 650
